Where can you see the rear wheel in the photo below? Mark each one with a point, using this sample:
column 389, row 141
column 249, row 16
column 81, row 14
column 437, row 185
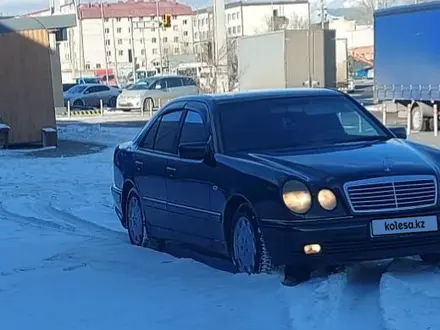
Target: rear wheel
column 112, row 102
column 79, row 104
column 136, row 225
column 148, row 105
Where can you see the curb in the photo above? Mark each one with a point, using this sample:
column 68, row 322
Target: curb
column 77, row 113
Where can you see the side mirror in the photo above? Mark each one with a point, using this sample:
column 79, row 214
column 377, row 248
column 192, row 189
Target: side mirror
column 399, row 131
column 194, row 151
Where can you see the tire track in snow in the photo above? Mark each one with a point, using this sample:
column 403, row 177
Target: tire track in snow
column 341, row 301
column 44, row 216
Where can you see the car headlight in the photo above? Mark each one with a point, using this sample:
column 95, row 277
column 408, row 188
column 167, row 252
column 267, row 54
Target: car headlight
column 327, row 199
column 297, row 197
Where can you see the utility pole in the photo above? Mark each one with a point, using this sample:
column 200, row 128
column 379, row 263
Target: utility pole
column 159, row 26
column 133, row 57
column 104, row 41
column 145, row 48
column 322, row 15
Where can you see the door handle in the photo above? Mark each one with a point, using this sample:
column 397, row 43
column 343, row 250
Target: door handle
column 138, row 162
column 171, row 169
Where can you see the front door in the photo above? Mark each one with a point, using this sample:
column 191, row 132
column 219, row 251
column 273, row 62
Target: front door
column 151, row 170
column 190, row 182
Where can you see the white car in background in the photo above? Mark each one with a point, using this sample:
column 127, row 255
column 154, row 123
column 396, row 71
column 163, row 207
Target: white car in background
column 153, row 92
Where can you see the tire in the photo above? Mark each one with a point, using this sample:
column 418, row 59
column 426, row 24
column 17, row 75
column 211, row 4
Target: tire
column 418, row 124
column 78, row 104
column 126, row 110
column 136, row 224
column 432, row 258
column 248, row 249
column 112, row 102
column 148, row 105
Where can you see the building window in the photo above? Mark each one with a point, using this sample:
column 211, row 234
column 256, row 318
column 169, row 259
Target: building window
column 175, row 28
column 186, row 44
column 229, row 17
column 153, row 40
column 176, row 50
column 119, row 41
column 141, row 19
column 121, row 53
column 153, row 29
column 118, row 19
column 238, row 15
column 87, row 66
column 109, row 53
column 106, row 20
column 141, row 41
column 67, row 57
column 142, row 51
column 154, row 50
column 239, row 29
column 107, row 30
column 97, row 66
column 233, row 16
column 119, row 30
column 185, row 21
column 166, row 51
column 174, row 17
column 185, row 33
column 165, row 39
column 194, row 22
column 107, row 42
column 234, row 30
column 176, row 39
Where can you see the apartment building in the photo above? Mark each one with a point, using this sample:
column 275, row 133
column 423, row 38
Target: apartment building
column 116, row 34
column 249, row 18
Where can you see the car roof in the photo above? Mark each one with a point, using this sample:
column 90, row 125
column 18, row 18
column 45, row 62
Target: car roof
column 260, row 95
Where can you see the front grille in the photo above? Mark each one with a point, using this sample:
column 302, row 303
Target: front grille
column 391, row 193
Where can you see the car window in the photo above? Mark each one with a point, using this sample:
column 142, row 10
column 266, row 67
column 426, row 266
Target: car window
column 193, row 128
column 77, row 89
column 298, row 122
column 160, row 84
column 188, row 81
column 148, row 140
column 93, row 89
column 102, row 88
column 166, row 137
column 174, row 82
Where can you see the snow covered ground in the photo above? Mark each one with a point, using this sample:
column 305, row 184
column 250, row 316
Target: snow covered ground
column 66, row 264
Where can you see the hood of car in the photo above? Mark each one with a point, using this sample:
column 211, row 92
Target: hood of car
column 358, row 161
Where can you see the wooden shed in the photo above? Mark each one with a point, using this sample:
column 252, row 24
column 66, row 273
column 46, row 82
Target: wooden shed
column 26, row 75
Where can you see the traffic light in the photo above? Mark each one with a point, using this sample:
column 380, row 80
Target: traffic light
column 166, row 20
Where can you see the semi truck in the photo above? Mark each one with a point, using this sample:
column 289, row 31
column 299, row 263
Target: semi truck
column 407, row 63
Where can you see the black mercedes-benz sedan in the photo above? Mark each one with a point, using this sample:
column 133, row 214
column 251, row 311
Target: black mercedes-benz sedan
column 299, row 177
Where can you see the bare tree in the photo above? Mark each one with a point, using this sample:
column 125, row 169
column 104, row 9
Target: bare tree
column 367, row 7
column 297, row 22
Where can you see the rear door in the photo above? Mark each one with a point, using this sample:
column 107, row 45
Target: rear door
column 190, row 86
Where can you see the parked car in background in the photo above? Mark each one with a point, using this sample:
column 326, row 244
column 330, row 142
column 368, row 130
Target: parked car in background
column 68, row 86
column 303, row 178
column 89, row 95
column 88, row 80
column 155, row 91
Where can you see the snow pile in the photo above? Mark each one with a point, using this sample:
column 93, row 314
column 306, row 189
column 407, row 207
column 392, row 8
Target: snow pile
column 410, row 296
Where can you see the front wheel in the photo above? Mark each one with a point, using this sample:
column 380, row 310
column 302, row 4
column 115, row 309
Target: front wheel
column 418, row 123
column 248, row 249
column 148, row 105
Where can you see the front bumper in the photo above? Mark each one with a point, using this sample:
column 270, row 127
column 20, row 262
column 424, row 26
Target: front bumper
column 343, row 240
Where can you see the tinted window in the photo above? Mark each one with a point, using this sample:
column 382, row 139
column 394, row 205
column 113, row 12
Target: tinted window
column 188, row 81
column 160, row 84
column 295, row 123
column 174, row 82
column 142, row 84
column 148, row 141
column 77, row 89
column 193, row 128
column 94, row 89
column 166, row 137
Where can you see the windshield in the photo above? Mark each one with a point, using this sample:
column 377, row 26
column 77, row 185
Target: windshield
column 142, row 84
column 295, row 123
column 76, row 89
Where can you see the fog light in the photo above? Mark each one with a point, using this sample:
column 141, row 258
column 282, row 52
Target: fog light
column 312, row 248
